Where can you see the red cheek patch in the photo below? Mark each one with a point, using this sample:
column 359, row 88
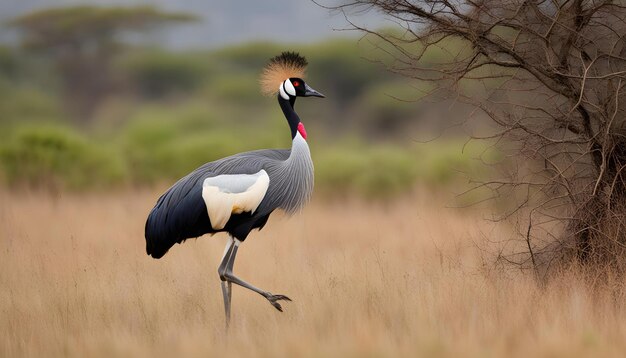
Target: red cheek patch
column 301, row 130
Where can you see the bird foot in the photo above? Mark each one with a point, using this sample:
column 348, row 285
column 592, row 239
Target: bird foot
column 274, row 300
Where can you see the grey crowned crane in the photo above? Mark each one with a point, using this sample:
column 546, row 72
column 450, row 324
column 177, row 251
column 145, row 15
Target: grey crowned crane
column 239, row 193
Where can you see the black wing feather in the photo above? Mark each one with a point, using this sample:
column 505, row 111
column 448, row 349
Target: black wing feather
column 179, row 214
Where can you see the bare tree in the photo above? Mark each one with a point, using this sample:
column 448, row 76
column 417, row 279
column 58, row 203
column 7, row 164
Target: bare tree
column 554, row 76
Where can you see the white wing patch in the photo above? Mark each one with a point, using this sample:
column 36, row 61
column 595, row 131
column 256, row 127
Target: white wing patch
column 229, row 194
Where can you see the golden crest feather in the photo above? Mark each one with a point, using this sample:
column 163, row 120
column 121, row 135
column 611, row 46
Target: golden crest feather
column 281, row 67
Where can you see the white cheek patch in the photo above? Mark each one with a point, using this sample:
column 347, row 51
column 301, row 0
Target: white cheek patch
column 289, row 88
column 229, row 194
column 283, row 94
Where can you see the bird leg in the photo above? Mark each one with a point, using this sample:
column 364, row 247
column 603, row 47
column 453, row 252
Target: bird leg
column 226, row 286
column 226, row 274
column 227, row 293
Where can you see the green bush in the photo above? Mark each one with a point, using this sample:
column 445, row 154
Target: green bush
column 376, row 172
column 23, row 104
column 9, row 63
column 156, row 154
column 60, row 158
column 158, row 73
column 447, row 161
column 240, row 88
column 158, row 145
column 388, row 109
column 384, row 171
column 166, row 143
column 217, row 111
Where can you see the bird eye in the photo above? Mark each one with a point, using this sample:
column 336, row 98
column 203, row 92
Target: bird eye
column 296, row 83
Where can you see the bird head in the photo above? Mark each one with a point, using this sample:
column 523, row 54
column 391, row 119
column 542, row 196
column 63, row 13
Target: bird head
column 283, row 74
column 296, row 87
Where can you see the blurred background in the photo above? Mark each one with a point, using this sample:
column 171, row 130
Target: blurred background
column 104, row 104
column 104, row 95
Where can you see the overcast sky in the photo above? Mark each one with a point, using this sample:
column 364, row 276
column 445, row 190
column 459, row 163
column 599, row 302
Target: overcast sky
column 224, row 21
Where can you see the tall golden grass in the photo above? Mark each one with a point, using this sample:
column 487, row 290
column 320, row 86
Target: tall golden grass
column 397, row 279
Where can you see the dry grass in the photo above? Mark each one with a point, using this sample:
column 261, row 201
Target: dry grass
column 403, row 279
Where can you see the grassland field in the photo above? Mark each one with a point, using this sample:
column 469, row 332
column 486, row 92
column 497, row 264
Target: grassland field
column 408, row 278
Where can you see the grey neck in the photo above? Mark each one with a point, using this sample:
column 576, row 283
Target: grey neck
column 297, row 173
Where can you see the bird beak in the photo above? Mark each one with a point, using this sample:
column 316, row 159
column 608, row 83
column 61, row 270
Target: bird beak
column 310, row 92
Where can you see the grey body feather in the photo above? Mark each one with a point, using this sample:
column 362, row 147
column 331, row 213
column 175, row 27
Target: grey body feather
column 290, row 172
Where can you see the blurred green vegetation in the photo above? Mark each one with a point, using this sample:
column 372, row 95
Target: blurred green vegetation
column 153, row 148
column 60, row 158
column 165, row 113
column 387, row 170
column 157, row 73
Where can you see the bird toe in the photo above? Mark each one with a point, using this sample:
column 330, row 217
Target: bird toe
column 277, row 306
column 274, row 301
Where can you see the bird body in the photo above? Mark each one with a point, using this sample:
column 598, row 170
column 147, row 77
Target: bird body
column 237, row 194
column 182, row 211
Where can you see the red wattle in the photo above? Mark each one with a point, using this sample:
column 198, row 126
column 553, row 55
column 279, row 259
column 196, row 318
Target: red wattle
column 301, row 130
